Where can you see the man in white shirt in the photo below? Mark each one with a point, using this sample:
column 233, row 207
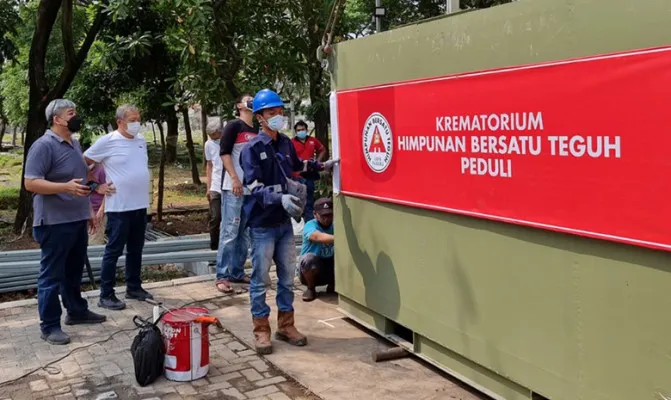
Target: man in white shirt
column 123, row 153
column 214, row 179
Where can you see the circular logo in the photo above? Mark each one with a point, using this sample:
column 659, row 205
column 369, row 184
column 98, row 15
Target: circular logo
column 378, row 144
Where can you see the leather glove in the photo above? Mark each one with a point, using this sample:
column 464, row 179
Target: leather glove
column 328, row 165
column 299, row 190
column 292, row 205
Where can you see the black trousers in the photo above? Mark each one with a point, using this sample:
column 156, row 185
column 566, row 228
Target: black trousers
column 323, row 266
column 214, row 222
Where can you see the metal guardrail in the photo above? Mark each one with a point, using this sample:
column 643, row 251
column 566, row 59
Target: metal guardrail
column 19, row 269
column 33, row 266
column 173, row 245
column 98, row 251
column 29, row 278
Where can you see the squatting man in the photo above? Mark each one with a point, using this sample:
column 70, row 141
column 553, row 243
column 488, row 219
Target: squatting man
column 316, row 263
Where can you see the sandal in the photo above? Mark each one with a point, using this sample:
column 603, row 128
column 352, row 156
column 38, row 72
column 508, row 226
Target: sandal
column 244, row 280
column 224, row 286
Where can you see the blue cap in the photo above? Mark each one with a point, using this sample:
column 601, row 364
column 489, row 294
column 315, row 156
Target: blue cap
column 264, row 99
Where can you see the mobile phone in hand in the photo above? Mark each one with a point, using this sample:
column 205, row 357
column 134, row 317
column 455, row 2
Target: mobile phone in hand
column 92, row 185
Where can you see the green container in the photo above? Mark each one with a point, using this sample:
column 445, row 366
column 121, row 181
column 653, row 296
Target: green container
column 514, row 311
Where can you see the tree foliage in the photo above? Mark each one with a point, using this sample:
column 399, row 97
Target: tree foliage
column 169, row 55
column 483, row 3
column 9, row 23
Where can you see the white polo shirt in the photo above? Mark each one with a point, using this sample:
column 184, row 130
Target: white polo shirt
column 212, row 154
column 126, row 167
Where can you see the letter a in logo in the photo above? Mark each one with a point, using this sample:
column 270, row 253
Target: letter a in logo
column 376, row 145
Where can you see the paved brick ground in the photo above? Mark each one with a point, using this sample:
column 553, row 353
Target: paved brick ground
column 105, row 371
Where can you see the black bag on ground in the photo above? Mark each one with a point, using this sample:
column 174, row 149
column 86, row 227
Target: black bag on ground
column 148, row 350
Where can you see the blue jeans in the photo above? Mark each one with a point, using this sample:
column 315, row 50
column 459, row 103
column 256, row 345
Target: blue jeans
column 270, row 244
column 233, row 238
column 63, row 255
column 125, row 228
column 308, row 212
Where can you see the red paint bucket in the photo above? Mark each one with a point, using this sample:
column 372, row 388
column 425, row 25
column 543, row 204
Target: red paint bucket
column 185, row 331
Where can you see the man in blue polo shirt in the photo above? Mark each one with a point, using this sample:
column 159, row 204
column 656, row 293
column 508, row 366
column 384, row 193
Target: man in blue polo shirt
column 268, row 160
column 57, row 175
column 316, row 261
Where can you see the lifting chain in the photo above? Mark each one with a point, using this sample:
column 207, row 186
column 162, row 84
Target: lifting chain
column 325, row 49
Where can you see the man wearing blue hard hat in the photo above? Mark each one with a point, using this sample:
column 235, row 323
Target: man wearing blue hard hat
column 268, row 162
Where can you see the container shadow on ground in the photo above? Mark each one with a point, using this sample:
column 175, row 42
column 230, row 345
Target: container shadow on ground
column 337, row 362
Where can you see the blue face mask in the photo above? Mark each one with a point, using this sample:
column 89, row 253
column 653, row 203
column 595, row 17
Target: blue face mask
column 301, row 134
column 217, row 141
column 276, row 123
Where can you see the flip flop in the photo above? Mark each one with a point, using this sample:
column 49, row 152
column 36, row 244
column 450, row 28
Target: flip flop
column 224, row 286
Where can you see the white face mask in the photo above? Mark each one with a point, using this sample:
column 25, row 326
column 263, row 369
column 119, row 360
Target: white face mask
column 134, row 128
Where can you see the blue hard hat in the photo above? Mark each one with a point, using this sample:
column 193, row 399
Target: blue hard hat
column 266, row 98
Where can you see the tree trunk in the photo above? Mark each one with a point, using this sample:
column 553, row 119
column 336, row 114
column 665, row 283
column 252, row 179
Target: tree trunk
column 2, row 132
column 36, row 127
column 153, row 129
column 161, row 175
column 203, row 123
column 40, row 94
column 23, row 136
column 171, row 137
column 14, row 132
column 189, row 146
column 319, row 105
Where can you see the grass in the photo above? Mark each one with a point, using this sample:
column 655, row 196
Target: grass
column 10, row 169
column 9, row 197
column 179, row 191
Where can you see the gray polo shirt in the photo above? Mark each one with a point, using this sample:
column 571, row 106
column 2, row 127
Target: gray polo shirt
column 55, row 160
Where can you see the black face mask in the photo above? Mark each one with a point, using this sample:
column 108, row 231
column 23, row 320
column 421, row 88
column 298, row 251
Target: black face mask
column 75, row 123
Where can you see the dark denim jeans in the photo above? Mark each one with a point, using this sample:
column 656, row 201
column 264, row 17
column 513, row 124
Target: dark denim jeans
column 268, row 245
column 123, row 229
column 63, row 255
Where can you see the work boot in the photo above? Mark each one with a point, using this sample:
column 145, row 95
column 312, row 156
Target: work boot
column 286, row 331
column 262, row 335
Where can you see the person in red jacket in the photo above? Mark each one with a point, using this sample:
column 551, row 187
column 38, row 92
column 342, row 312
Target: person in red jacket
column 308, row 148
